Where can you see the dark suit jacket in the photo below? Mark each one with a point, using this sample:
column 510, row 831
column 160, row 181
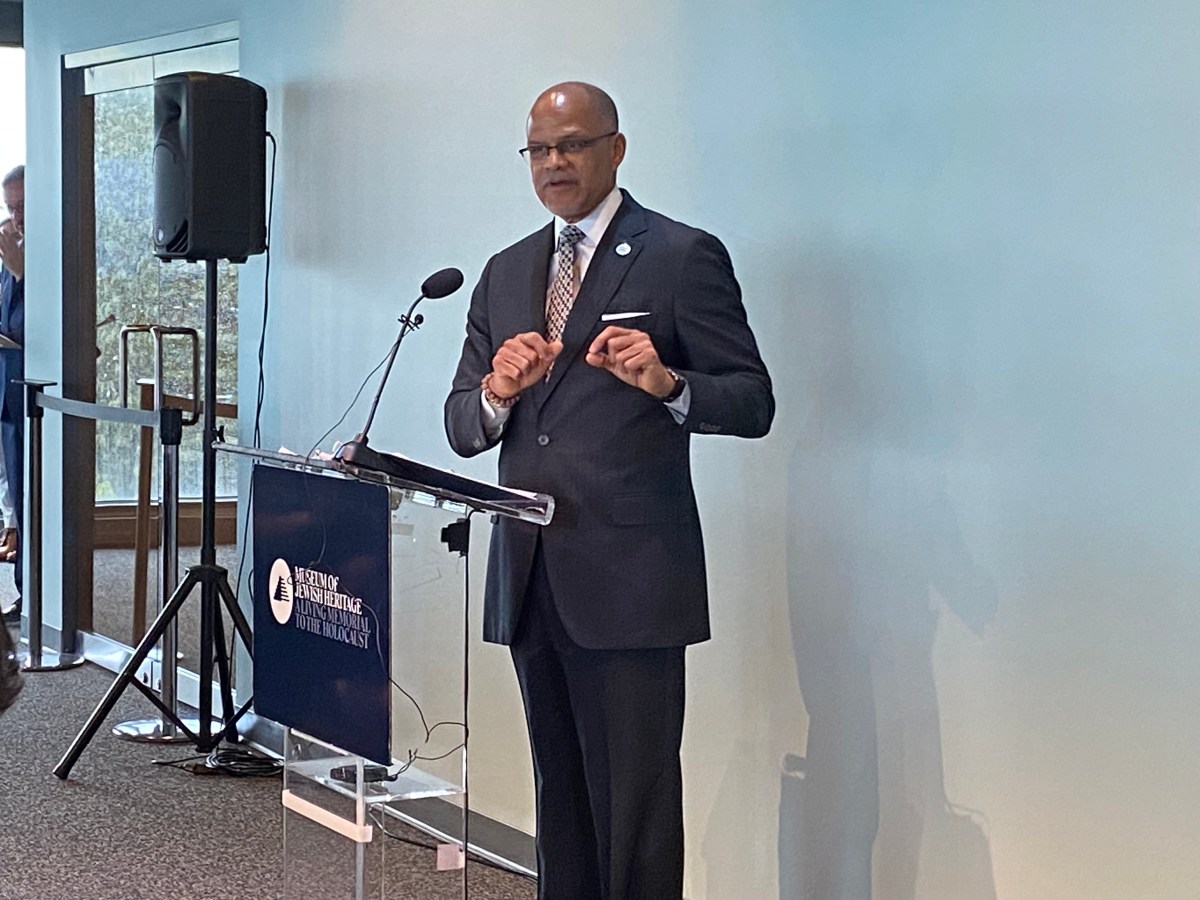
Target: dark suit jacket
column 12, row 362
column 623, row 554
column 12, row 402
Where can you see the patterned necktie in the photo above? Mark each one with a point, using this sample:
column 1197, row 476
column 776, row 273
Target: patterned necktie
column 562, row 293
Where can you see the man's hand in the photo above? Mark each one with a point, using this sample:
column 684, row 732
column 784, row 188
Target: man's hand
column 12, row 249
column 630, row 355
column 521, row 361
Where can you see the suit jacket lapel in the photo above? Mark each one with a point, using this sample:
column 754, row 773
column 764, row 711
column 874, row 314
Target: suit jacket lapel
column 605, row 273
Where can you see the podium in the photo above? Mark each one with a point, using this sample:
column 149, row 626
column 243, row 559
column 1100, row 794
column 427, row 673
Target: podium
column 361, row 634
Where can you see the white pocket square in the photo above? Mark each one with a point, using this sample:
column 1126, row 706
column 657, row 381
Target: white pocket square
column 617, row 317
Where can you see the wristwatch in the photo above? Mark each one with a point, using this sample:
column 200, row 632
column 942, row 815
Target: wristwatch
column 676, row 389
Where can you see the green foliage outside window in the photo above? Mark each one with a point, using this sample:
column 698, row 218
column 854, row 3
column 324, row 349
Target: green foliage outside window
column 135, row 287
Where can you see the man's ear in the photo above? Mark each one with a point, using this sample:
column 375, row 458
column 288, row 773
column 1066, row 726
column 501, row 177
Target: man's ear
column 618, row 150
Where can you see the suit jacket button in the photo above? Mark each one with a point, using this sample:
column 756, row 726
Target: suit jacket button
column 543, row 440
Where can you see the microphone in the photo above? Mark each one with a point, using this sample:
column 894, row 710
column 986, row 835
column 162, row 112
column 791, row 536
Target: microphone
column 438, row 285
column 441, row 284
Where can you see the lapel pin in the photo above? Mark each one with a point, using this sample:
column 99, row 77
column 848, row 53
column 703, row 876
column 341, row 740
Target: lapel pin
column 623, row 249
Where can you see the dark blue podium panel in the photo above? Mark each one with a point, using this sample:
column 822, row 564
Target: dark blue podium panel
column 321, row 583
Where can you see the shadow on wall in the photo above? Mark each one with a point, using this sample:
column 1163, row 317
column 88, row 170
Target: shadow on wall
column 872, row 536
column 360, row 203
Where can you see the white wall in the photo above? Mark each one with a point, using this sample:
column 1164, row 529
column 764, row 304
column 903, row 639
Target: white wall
column 12, row 108
column 955, row 589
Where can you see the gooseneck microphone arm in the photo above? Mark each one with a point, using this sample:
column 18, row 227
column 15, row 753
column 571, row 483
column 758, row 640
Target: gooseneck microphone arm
column 407, row 323
column 439, row 284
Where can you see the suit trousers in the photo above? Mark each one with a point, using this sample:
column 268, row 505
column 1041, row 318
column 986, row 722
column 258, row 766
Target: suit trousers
column 605, row 727
column 12, row 445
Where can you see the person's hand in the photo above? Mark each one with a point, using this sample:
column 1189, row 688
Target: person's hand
column 12, row 249
column 630, row 355
column 521, row 361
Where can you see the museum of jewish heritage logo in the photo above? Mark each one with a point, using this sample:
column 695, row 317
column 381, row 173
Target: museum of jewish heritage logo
column 314, row 601
column 281, row 591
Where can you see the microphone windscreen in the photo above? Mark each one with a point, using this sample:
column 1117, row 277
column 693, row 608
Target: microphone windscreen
column 442, row 284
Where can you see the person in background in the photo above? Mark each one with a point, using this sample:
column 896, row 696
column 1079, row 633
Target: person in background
column 8, row 517
column 12, row 362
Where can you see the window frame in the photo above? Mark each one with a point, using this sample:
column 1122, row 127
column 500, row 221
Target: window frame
column 84, row 74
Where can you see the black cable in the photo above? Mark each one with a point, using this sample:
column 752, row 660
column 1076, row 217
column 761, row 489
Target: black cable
column 241, row 762
column 442, row 755
column 313, row 449
column 413, row 755
column 180, row 763
column 256, row 438
column 262, row 338
column 308, row 456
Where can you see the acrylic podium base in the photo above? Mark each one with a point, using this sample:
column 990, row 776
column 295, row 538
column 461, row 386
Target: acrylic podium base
column 337, row 830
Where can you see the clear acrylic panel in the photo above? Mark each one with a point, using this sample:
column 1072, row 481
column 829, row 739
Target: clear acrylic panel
column 427, row 638
column 338, row 835
column 330, row 848
column 338, row 826
column 326, row 788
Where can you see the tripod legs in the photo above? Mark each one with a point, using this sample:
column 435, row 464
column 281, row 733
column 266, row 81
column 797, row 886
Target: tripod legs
column 224, row 676
column 213, row 581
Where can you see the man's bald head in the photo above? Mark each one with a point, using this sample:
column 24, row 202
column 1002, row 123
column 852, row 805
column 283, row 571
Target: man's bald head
column 598, row 99
column 578, row 122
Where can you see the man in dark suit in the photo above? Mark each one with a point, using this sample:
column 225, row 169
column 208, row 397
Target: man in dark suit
column 12, row 361
column 595, row 347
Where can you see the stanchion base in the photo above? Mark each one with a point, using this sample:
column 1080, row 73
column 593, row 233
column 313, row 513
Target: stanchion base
column 151, row 731
column 49, row 661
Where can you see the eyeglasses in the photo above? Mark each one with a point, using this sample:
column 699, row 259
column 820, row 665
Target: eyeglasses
column 539, row 152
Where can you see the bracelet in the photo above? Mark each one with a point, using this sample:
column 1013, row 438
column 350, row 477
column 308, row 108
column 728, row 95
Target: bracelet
column 496, row 402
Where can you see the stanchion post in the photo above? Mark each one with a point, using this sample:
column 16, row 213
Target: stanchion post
column 165, row 730
column 39, row 658
column 168, row 569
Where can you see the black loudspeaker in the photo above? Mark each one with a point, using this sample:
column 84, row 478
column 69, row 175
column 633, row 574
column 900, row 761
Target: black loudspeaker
column 210, row 161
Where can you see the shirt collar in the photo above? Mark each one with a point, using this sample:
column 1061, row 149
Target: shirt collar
column 595, row 223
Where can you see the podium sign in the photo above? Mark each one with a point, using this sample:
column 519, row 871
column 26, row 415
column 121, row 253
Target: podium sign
column 321, row 608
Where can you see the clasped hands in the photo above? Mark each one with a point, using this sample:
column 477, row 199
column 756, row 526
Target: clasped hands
column 12, row 249
column 628, row 354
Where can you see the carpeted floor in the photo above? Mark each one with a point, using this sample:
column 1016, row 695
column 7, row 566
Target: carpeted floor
column 122, row 828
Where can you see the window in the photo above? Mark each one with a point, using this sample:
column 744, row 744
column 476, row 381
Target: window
column 112, row 279
column 12, row 108
column 133, row 287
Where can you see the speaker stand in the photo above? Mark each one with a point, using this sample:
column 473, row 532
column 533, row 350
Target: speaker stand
column 213, row 584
